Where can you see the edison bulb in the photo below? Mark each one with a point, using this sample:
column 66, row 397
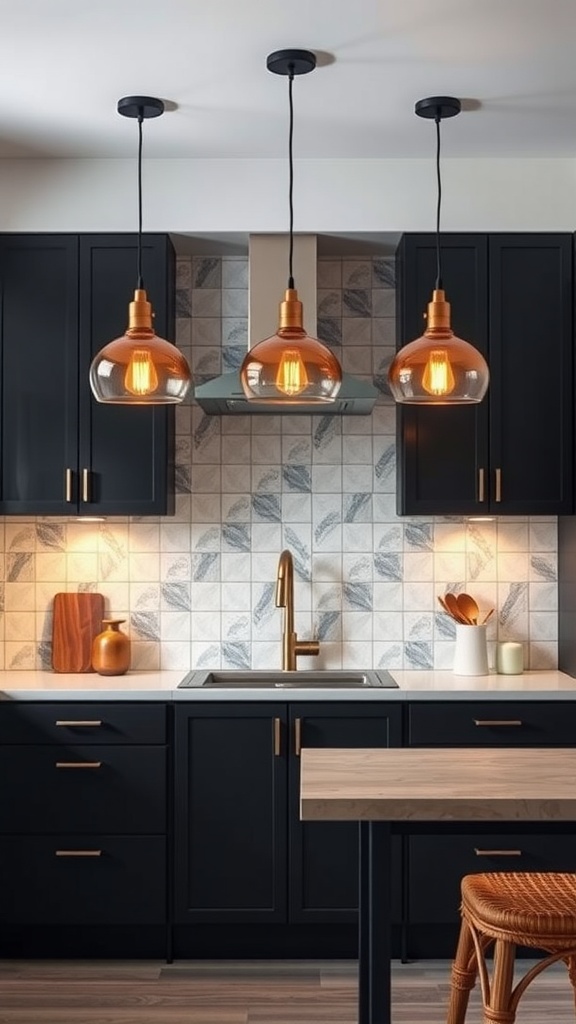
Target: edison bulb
column 141, row 377
column 438, row 377
column 291, row 378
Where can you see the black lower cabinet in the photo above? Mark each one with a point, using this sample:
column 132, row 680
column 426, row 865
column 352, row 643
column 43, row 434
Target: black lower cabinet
column 143, row 829
column 439, row 855
column 434, row 893
column 84, row 829
column 242, row 857
column 230, row 813
column 92, row 880
column 437, row 862
column 323, row 883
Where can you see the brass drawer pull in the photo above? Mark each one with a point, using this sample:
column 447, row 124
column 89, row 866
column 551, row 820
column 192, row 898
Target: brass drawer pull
column 498, row 485
column 78, row 853
column 86, row 485
column 481, row 489
column 297, row 736
column 276, row 737
column 78, row 764
column 68, row 476
column 497, row 721
column 74, row 724
column 497, row 853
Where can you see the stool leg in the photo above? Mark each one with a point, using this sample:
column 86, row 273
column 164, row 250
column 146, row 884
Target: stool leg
column 571, row 964
column 463, row 979
column 499, row 1011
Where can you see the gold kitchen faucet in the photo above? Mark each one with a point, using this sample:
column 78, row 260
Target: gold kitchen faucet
column 292, row 647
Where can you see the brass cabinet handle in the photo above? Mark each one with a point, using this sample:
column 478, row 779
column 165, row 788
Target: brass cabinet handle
column 78, row 764
column 86, row 485
column 74, row 724
column 77, row 853
column 497, row 721
column 497, row 853
column 68, row 478
column 276, row 737
column 297, row 736
column 481, row 489
column 498, row 485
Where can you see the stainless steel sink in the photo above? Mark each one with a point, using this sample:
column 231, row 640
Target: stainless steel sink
column 301, row 679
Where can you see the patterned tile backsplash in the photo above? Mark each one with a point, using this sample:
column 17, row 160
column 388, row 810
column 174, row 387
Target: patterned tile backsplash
column 197, row 589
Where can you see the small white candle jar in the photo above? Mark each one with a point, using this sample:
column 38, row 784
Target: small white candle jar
column 510, row 658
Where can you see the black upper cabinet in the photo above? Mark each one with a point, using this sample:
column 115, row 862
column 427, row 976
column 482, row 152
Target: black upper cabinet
column 63, row 298
column 511, row 297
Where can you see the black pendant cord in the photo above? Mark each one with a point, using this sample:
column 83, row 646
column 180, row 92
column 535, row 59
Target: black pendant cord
column 291, row 180
column 140, row 278
column 438, row 205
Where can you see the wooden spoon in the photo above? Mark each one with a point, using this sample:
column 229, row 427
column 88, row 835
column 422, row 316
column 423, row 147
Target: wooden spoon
column 445, row 606
column 455, row 612
column 468, row 607
column 486, row 617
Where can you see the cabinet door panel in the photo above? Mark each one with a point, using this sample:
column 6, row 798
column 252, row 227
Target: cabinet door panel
column 437, row 863
column 230, row 833
column 324, row 855
column 125, row 884
column 512, row 297
column 127, row 450
column 442, row 449
column 492, row 724
column 125, row 793
column 39, row 367
column 531, row 362
column 82, row 722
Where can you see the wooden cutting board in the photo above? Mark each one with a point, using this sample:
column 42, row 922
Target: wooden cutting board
column 77, row 620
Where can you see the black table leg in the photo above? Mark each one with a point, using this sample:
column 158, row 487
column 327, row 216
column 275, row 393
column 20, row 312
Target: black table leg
column 363, row 924
column 374, row 923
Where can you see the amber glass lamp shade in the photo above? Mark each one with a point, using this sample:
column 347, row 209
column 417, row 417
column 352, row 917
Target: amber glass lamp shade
column 139, row 368
column 438, row 368
column 290, row 366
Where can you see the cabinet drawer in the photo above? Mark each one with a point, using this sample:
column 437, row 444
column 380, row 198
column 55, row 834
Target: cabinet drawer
column 97, row 880
column 82, row 722
column 492, row 724
column 437, row 863
column 83, row 789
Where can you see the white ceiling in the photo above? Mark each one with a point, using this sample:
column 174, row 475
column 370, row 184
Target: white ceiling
column 65, row 63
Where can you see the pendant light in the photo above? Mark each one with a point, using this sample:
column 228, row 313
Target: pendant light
column 438, row 368
column 290, row 367
column 139, row 368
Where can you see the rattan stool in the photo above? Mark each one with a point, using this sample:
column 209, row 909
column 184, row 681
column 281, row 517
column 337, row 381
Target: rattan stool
column 509, row 909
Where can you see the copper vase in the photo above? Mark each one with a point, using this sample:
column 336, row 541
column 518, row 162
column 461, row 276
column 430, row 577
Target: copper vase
column 111, row 649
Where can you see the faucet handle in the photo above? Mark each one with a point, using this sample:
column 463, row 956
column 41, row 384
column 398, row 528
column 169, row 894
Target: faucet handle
column 302, row 647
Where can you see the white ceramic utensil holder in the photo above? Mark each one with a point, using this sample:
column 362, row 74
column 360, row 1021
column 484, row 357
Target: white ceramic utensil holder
column 471, row 651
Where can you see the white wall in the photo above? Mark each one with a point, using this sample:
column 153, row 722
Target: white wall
column 252, row 195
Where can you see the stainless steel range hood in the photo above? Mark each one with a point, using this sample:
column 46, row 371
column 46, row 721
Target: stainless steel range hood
column 267, row 282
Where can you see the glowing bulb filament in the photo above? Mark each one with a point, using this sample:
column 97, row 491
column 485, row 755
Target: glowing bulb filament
column 438, row 377
column 141, row 377
column 291, row 377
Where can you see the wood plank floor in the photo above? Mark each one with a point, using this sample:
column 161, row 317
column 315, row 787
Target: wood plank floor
column 254, row 992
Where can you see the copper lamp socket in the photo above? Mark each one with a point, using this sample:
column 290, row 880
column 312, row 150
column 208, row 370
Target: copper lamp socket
column 291, row 315
column 438, row 315
column 140, row 312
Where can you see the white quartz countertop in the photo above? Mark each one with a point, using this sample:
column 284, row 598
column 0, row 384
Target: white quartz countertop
column 421, row 685
column 88, row 686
